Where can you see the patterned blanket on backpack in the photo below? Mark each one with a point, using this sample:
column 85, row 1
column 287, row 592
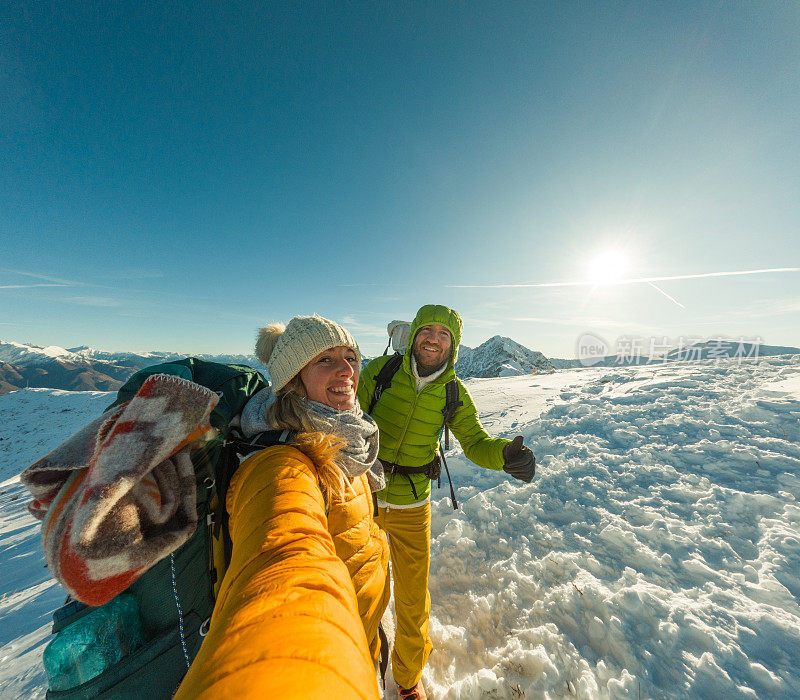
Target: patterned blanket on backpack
column 119, row 495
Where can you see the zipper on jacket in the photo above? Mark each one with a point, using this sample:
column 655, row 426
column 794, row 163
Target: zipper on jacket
column 408, row 417
column 405, row 426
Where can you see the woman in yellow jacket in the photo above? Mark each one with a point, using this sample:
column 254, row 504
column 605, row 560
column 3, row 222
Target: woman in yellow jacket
column 299, row 607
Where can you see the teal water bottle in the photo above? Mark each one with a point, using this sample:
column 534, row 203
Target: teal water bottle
column 99, row 639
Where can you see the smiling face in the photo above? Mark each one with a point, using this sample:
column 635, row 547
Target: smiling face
column 332, row 377
column 431, row 348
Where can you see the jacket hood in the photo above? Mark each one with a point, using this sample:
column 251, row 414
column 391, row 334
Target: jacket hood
column 444, row 316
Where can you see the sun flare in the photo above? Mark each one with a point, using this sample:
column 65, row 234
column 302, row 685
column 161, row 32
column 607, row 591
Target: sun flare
column 607, row 268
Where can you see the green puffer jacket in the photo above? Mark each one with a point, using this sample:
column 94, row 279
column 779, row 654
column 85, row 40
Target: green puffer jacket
column 411, row 423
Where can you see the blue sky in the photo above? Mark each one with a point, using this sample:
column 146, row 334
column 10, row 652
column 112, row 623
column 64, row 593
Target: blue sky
column 174, row 175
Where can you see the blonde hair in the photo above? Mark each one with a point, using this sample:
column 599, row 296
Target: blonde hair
column 289, row 411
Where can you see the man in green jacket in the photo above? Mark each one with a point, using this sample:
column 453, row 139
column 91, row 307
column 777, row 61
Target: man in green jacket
column 409, row 416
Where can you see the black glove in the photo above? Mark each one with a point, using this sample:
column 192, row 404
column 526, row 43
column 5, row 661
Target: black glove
column 520, row 462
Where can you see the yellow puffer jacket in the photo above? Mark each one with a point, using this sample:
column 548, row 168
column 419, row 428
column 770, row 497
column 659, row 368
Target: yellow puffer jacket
column 300, row 590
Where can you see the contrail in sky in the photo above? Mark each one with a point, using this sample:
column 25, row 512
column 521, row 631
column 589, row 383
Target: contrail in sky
column 28, row 286
column 636, row 280
column 46, row 278
column 658, row 289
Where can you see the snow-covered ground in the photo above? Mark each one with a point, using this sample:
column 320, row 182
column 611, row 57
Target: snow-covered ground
column 32, row 422
column 655, row 555
column 657, row 552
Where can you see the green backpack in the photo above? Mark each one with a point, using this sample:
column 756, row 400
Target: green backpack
column 176, row 596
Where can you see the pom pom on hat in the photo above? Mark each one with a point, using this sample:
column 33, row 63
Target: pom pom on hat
column 285, row 350
column 265, row 341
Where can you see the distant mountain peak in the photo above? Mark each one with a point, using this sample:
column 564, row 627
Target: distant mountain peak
column 500, row 357
column 25, row 353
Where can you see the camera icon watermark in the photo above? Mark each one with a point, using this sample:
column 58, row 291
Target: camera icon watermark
column 590, row 349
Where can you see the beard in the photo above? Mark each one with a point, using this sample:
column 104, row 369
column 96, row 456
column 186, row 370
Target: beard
column 423, row 368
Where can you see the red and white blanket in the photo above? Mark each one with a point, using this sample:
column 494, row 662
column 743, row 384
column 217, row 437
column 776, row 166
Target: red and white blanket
column 119, row 495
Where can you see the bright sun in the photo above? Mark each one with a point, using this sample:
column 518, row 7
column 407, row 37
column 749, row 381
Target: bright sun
column 607, row 268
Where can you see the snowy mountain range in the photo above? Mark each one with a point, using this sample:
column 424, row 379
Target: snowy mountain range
column 83, row 368
column 716, row 349
column 25, row 365
column 722, row 348
column 86, row 369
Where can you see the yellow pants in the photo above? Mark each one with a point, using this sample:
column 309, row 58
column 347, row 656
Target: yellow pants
column 409, row 532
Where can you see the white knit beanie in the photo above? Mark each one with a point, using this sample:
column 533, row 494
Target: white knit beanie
column 285, row 350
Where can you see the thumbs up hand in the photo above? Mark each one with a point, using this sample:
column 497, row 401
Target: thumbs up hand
column 519, row 460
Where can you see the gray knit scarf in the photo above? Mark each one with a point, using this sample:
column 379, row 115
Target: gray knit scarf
column 357, row 430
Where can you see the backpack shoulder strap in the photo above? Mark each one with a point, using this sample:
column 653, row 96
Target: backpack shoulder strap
column 383, row 380
column 451, row 402
column 451, row 405
column 234, row 447
column 266, row 438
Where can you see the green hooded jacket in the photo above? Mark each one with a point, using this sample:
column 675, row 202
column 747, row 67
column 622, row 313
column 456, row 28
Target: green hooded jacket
column 410, row 423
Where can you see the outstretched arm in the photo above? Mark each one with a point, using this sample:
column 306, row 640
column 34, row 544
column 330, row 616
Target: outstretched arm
column 478, row 447
column 513, row 457
column 286, row 622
